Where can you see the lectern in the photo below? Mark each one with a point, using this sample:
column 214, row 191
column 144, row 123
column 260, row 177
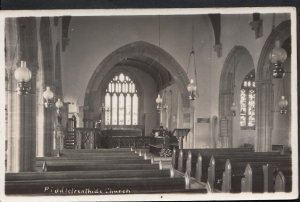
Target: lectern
column 180, row 133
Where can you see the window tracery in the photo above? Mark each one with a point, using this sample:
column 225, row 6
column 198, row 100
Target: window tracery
column 121, row 101
column 247, row 102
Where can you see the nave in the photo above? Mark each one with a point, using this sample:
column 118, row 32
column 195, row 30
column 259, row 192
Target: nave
column 194, row 104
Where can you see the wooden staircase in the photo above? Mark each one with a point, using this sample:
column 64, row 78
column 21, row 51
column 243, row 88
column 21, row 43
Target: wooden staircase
column 120, row 171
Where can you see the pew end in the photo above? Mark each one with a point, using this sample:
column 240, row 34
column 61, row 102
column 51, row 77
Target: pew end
column 198, row 174
column 180, row 161
column 226, row 177
column 211, row 173
column 187, row 178
column 44, row 168
column 279, row 182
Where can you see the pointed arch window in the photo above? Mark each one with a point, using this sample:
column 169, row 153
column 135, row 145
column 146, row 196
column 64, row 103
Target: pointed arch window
column 121, row 101
column 247, row 102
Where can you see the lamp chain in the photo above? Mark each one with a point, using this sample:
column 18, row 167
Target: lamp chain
column 192, row 33
column 283, row 83
column 159, row 31
column 192, row 53
column 273, row 22
column 195, row 70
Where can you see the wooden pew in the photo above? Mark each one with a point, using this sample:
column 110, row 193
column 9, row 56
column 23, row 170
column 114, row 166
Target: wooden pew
column 200, row 162
column 278, row 177
column 88, row 155
column 92, row 162
column 239, row 175
column 195, row 168
column 95, row 167
column 86, row 175
column 112, row 150
column 217, row 163
column 102, row 171
column 204, row 152
column 64, row 158
column 283, row 183
column 253, row 178
column 125, row 185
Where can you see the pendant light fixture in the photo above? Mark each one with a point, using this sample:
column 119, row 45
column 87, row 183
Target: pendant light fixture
column 48, row 96
column 59, row 104
column 192, row 86
column 277, row 57
column 158, row 102
column 158, row 99
column 283, row 103
column 23, row 76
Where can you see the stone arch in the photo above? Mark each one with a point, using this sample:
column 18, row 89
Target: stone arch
column 264, row 88
column 226, row 91
column 140, row 48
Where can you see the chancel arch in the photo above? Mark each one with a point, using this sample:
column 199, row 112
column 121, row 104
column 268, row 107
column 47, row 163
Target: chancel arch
column 237, row 65
column 136, row 59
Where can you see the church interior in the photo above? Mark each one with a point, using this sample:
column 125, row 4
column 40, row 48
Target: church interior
column 193, row 103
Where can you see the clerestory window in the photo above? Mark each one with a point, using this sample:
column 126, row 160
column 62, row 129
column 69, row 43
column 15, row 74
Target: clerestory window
column 121, row 101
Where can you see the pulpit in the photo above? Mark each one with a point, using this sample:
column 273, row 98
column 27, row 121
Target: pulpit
column 180, row 133
column 85, row 137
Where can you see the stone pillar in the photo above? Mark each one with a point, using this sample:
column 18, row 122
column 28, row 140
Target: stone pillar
column 21, row 132
column 48, row 131
column 264, row 122
column 13, row 132
column 21, row 109
column 40, row 130
column 27, row 131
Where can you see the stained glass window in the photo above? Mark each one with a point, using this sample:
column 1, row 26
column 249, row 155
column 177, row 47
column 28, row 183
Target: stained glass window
column 121, row 101
column 247, row 102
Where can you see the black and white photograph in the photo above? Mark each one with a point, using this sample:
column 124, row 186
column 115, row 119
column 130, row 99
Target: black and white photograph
column 149, row 104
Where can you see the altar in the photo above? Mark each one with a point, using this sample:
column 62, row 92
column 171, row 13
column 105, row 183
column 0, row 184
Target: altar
column 96, row 138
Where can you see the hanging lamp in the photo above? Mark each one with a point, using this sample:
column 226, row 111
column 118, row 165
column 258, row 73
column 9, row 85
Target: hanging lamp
column 158, row 101
column 48, row 96
column 283, row 103
column 277, row 56
column 59, row 104
column 192, row 86
column 23, row 76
